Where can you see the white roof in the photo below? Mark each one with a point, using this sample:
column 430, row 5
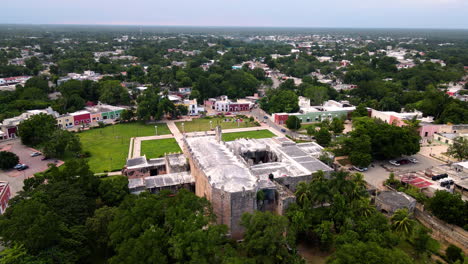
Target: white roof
column 79, row 113
column 464, row 164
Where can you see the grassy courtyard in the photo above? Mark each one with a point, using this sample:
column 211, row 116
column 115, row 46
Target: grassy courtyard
column 203, row 124
column 157, row 148
column 248, row 134
column 109, row 145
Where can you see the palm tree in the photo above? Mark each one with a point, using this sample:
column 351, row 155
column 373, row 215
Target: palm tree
column 318, row 176
column 303, row 193
column 339, row 183
column 362, row 207
column 402, row 222
column 320, row 192
column 359, row 186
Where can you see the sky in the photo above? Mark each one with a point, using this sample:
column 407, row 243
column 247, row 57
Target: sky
column 249, row 13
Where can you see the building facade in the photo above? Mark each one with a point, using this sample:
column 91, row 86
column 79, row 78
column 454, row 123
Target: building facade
column 5, row 195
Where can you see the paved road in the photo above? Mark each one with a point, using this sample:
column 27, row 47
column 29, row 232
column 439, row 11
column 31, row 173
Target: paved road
column 259, row 114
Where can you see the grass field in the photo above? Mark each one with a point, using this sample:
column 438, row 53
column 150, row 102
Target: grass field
column 203, row 124
column 157, row 148
column 109, row 145
column 248, row 134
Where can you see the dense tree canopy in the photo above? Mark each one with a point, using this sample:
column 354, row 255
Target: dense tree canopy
column 8, row 160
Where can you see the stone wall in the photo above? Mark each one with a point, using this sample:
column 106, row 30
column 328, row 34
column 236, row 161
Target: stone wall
column 241, row 202
column 442, row 231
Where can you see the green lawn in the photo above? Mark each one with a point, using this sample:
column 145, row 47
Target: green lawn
column 248, row 134
column 157, row 148
column 203, row 124
column 109, row 145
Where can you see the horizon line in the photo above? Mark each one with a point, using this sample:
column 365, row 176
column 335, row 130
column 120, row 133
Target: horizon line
column 228, row 26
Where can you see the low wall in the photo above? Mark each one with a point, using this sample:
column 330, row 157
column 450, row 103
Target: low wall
column 443, row 231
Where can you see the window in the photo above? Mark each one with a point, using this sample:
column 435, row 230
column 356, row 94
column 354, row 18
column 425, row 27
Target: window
column 77, row 122
column 426, row 134
column 94, row 118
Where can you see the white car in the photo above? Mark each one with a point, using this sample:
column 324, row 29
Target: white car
column 394, row 162
column 413, row 160
column 360, row 169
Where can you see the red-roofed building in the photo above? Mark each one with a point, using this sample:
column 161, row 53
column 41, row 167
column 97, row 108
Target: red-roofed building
column 4, row 196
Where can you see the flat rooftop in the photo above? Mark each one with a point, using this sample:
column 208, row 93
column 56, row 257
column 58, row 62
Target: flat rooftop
column 164, row 180
column 221, row 166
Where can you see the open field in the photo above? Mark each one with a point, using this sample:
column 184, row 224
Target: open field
column 109, row 146
column 157, row 148
column 248, row 134
column 203, row 124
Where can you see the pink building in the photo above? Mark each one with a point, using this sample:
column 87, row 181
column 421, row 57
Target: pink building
column 280, row 118
column 4, row 196
column 81, row 117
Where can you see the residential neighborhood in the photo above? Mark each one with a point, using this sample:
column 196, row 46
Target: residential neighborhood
column 206, row 145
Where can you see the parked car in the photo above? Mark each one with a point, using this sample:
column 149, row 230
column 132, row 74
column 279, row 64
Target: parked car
column 35, row 154
column 394, row 162
column 403, row 161
column 283, row 130
column 44, row 158
column 266, row 117
column 413, row 160
column 361, row 169
column 17, row 166
column 23, row 167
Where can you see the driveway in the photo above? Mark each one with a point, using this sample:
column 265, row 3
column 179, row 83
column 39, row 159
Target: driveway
column 16, row 178
column 379, row 173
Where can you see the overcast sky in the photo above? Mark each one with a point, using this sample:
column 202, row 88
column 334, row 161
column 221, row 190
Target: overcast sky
column 264, row 13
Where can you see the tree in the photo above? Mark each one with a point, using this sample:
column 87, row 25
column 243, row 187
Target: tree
column 267, row 238
column 127, row 115
column 316, row 94
column 280, row 101
column 97, row 227
column 323, row 137
column 293, row 122
column 453, row 253
column 113, row 190
column 421, row 240
column 17, row 254
column 311, row 130
column 449, row 207
column 61, row 142
column 337, row 125
column 360, row 111
column 369, row 252
column 402, row 222
column 8, row 160
column 360, row 159
column 113, row 93
column 37, row 129
column 459, row 148
column 166, row 228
